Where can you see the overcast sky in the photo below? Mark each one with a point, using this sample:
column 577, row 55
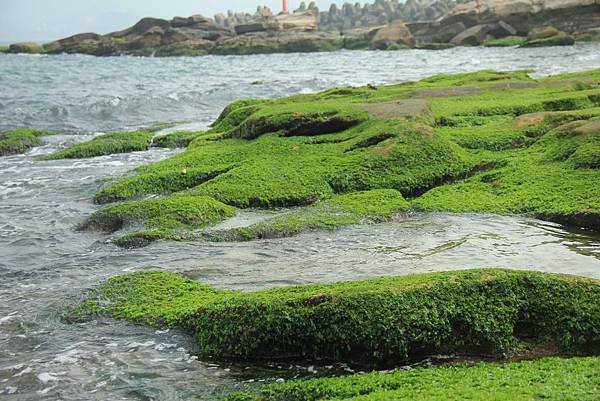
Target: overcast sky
column 45, row 20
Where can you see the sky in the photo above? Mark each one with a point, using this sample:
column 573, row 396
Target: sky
column 46, row 20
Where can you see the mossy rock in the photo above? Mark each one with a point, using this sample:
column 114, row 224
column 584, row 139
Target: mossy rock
column 547, row 378
column 396, row 46
column 473, row 142
column 158, row 217
column 180, row 50
column 558, row 40
column 296, row 123
column 175, row 140
column 21, row 140
column 508, row 41
column 386, row 321
column 25, row 47
column 338, row 211
column 593, row 36
column 106, row 144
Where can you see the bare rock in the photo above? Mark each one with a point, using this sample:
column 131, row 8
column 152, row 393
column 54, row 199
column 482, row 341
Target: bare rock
column 473, row 36
column 396, row 32
column 502, row 30
column 257, row 27
column 543, row 32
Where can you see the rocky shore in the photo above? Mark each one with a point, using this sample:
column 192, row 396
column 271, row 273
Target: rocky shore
column 485, row 142
column 430, row 24
column 481, row 314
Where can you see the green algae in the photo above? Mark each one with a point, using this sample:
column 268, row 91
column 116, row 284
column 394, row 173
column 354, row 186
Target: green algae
column 384, row 321
column 338, row 211
column 557, row 40
column 180, row 139
column 508, row 41
column 21, row 140
column 552, row 179
column 572, row 379
column 171, row 213
column 106, row 144
column 475, row 142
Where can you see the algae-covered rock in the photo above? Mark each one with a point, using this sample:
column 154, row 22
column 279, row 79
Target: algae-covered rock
column 476, row 142
column 338, row 211
column 164, row 218
column 507, row 41
column 557, row 40
column 564, row 378
column 25, row 47
column 386, row 321
column 21, row 140
column 106, row 144
column 175, row 139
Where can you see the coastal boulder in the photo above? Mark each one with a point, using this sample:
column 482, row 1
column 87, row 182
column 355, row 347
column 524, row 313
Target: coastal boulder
column 396, row 32
column 562, row 39
column 473, row 36
column 502, row 30
column 201, row 22
column 145, row 24
column 434, row 32
column 300, row 22
column 26, row 47
column 179, row 22
column 81, row 37
column 543, row 32
column 256, row 27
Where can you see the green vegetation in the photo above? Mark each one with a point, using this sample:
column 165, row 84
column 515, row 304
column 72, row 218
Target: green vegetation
column 574, row 379
column 107, row 144
column 21, row 140
column 558, row 40
column 588, row 37
column 382, row 322
column 342, row 210
column 565, row 157
column 168, row 215
column 174, row 140
column 478, row 142
column 3, row 48
column 508, row 41
column 179, row 50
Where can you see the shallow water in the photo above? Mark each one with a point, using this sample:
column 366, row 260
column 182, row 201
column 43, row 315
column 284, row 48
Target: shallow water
column 88, row 94
column 46, row 266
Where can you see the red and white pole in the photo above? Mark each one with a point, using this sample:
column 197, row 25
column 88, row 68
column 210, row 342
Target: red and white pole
column 285, row 8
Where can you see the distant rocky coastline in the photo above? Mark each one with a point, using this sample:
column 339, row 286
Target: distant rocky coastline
column 384, row 25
